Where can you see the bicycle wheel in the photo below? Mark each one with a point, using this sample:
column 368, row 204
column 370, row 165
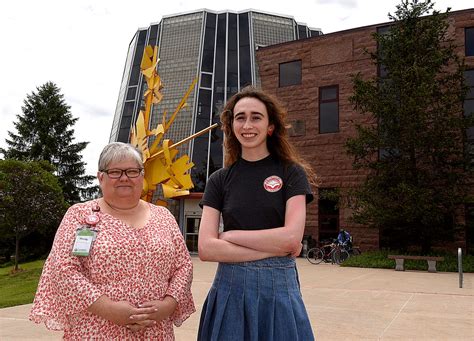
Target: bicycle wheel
column 315, row 255
column 340, row 256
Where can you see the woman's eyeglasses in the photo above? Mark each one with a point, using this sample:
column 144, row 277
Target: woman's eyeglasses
column 117, row 173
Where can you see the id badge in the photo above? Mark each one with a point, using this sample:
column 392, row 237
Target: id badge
column 83, row 242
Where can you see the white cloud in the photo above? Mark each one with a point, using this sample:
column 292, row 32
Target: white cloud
column 342, row 3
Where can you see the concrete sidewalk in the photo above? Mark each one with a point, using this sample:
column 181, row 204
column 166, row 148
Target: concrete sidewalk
column 343, row 304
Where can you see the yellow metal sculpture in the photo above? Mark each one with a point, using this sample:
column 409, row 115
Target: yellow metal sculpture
column 159, row 159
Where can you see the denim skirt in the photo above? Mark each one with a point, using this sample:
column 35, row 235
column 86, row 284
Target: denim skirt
column 258, row 300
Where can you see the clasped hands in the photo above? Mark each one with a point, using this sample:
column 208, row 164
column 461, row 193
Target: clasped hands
column 145, row 315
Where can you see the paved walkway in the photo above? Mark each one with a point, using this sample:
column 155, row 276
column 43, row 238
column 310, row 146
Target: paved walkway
column 343, row 304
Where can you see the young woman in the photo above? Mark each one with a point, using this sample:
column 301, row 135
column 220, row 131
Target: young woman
column 261, row 194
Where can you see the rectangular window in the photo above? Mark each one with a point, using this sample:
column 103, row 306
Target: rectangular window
column 469, row 110
column 244, row 51
column 329, row 109
column 131, row 93
column 469, row 40
column 232, row 57
column 381, row 70
column 302, row 33
column 470, row 227
column 206, row 80
column 208, row 46
column 290, row 73
column 192, row 231
column 328, row 214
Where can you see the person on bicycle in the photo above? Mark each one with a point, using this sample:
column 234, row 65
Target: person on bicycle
column 344, row 239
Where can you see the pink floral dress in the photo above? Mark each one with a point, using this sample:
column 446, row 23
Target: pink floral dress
column 126, row 264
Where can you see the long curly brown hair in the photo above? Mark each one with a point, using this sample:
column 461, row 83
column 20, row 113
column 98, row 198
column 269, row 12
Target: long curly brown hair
column 278, row 144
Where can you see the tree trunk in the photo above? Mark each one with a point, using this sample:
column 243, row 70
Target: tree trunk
column 17, row 250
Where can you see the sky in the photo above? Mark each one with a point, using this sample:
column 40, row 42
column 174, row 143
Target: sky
column 81, row 46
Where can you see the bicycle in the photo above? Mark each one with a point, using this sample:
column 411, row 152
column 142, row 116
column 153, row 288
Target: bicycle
column 354, row 251
column 334, row 253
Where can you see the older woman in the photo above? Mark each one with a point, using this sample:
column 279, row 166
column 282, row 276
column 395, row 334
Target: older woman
column 119, row 267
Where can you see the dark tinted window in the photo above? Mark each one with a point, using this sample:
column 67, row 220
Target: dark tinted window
column 329, row 109
column 381, row 69
column 132, row 91
column 469, row 103
column 470, row 226
column 469, row 40
column 244, row 51
column 290, row 73
column 138, row 58
column 328, row 214
column 124, row 134
column 203, row 117
column 302, row 32
column 469, row 78
column 141, row 99
column 215, row 157
column 127, row 112
column 232, row 68
column 219, row 77
column 201, row 143
column 209, row 38
column 153, row 35
column 329, row 93
column 206, row 80
column 126, row 122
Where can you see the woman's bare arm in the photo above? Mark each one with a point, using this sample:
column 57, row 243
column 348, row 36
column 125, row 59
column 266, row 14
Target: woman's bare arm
column 285, row 239
column 213, row 249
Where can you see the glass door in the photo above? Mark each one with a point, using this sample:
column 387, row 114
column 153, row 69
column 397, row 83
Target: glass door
column 191, row 233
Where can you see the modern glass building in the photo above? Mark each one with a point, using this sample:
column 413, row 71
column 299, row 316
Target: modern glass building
column 217, row 48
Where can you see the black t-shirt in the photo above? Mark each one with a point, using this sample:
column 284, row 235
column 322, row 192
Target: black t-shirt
column 253, row 195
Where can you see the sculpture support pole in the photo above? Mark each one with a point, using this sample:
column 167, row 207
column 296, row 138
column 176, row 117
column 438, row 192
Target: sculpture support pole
column 199, row 133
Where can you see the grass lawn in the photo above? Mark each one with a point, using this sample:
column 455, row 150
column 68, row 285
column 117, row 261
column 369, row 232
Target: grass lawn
column 19, row 288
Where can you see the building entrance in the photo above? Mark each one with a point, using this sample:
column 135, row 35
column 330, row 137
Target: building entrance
column 191, row 232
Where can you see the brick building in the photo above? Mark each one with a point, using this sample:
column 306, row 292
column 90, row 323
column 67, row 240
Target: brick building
column 312, row 78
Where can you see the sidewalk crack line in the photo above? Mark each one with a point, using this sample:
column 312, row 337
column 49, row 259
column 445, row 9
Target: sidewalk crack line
column 396, row 316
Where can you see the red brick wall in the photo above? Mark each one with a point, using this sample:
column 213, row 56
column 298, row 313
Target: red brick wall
column 331, row 60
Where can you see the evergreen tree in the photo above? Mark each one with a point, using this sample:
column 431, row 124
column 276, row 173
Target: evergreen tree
column 30, row 200
column 414, row 149
column 44, row 132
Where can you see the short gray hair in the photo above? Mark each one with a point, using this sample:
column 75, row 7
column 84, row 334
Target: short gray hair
column 118, row 151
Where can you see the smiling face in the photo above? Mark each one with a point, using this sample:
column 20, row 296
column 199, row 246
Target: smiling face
column 251, row 127
column 123, row 188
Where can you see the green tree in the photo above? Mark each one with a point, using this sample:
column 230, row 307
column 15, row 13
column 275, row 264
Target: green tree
column 413, row 151
column 44, row 132
column 30, row 200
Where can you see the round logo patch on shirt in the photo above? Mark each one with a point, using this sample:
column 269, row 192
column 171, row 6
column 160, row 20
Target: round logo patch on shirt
column 273, row 183
column 92, row 219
